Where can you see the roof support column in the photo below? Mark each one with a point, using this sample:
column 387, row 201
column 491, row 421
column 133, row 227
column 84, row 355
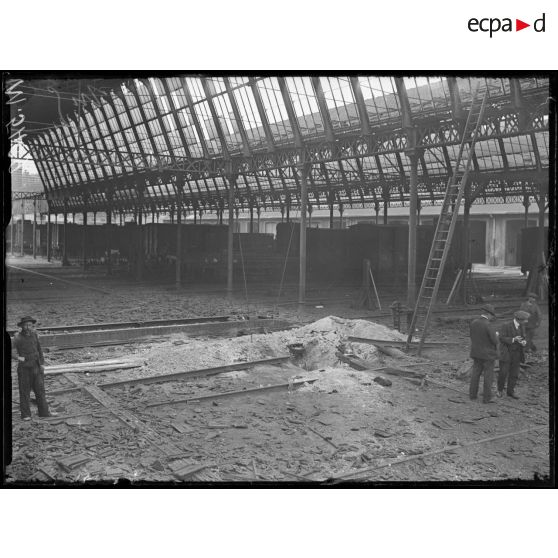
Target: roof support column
column 178, row 277
column 413, row 155
column 139, row 226
column 12, row 236
column 386, row 205
column 526, row 205
column 413, row 206
column 467, row 202
column 48, row 238
column 84, row 242
column 251, row 217
column 303, row 169
column 231, row 179
column 65, row 261
column 541, row 241
column 22, row 228
column 35, row 229
column 108, row 234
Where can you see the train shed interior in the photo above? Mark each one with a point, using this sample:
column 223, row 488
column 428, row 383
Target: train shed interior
column 187, row 342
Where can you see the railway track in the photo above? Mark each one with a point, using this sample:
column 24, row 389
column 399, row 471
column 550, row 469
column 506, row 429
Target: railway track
column 115, row 326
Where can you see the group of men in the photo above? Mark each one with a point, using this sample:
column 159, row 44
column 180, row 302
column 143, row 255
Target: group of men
column 508, row 345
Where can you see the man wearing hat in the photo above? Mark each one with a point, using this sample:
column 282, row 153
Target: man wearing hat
column 512, row 339
column 531, row 307
column 484, row 351
column 30, row 368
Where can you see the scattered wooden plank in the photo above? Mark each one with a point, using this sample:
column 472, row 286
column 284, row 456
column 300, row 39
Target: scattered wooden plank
column 180, row 427
column 49, row 475
column 403, row 373
column 91, row 369
column 189, row 470
column 209, row 397
column 203, row 372
column 72, row 365
column 353, row 362
column 64, row 390
column 324, row 438
column 73, row 462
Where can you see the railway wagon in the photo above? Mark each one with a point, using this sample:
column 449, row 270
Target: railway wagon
column 339, row 253
column 529, row 240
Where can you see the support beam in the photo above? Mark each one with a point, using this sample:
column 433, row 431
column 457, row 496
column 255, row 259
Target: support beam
column 541, row 239
column 526, row 204
column 263, row 115
column 139, row 226
column 34, row 229
column 361, row 106
column 22, row 229
column 49, row 238
column 290, row 112
column 412, row 254
column 108, row 237
column 12, row 235
column 238, row 118
column 324, row 111
column 466, row 241
column 303, row 169
column 178, row 277
column 84, row 242
column 231, row 179
column 455, row 99
column 65, row 261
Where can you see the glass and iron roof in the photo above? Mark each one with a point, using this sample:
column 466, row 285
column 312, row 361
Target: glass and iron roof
column 163, row 142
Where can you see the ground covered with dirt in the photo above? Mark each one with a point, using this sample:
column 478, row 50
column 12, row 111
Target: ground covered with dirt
column 323, row 420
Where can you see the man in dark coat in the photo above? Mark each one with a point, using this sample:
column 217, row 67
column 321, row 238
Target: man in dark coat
column 531, row 307
column 484, row 351
column 512, row 339
column 30, row 369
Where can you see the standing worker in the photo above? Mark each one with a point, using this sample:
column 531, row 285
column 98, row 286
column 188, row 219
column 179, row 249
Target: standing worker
column 531, row 307
column 512, row 339
column 484, row 351
column 30, row 369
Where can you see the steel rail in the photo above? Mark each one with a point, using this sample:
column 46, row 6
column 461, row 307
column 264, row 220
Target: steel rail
column 445, row 449
column 203, row 372
column 210, row 397
column 126, row 325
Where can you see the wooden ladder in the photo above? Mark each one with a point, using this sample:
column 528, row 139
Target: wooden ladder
column 446, row 224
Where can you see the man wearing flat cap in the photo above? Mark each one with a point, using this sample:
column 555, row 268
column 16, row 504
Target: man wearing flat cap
column 531, row 307
column 512, row 339
column 26, row 349
column 484, row 351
